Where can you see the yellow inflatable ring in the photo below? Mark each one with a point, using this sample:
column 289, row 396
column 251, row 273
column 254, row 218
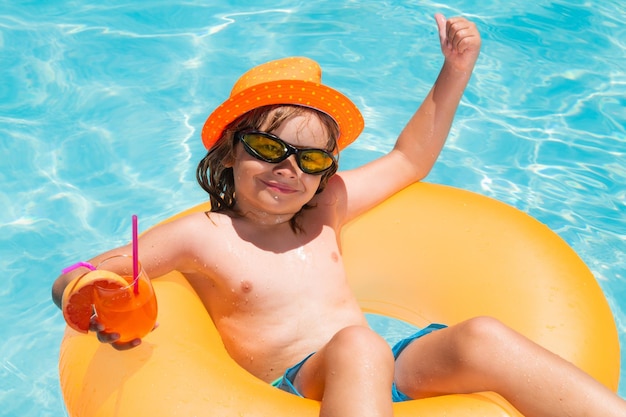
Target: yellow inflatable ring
column 450, row 255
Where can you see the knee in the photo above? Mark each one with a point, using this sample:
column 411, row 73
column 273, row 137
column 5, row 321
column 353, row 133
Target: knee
column 483, row 339
column 361, row 346
column 482, row 328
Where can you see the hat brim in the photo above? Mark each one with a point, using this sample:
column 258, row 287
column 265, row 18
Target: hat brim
column 296, row 92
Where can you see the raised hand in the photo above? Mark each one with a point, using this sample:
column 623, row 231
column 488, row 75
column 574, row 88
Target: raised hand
column 460, row 41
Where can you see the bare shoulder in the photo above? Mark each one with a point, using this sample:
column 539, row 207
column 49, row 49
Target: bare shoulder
column 355, row 191
column 201, row 228
column 181, row 243
column 192, row 221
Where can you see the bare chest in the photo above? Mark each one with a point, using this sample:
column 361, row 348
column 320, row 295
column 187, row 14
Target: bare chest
column 244, row 273
column 256, row 276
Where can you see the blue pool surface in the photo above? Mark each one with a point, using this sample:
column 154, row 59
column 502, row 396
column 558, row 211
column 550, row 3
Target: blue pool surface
column 101, row 104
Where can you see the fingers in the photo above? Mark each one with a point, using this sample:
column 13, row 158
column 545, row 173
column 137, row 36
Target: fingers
column 111, row 338
column 122, row 346
column 460, row 42
column 128, row 345
column 94, row 324
column 461, row 34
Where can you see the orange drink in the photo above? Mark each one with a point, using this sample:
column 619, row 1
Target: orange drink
column 129, row 310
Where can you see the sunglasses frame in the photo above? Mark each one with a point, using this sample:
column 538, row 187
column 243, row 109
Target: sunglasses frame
column 288, row 149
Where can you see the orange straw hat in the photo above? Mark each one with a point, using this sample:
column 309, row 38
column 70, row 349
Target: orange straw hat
column 295, row 80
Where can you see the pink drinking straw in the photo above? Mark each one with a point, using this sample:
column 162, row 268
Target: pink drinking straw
column 135, row 256
column 78, row 265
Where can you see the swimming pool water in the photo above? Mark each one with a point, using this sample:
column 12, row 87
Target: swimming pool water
column 101, row 107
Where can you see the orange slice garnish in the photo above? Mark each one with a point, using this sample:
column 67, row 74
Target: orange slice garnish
column 78, row 297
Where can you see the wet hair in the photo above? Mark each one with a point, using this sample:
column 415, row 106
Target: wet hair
column 215, row 172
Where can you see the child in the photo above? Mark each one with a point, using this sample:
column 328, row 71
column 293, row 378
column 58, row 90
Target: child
column 266, row 262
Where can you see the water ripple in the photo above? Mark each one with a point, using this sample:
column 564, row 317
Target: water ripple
column 101, row 105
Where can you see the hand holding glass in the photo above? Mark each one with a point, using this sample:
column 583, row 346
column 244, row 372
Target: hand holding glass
column 129, row 310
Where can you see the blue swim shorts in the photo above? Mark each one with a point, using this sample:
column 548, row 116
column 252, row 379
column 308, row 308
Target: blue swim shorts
column 285, row 382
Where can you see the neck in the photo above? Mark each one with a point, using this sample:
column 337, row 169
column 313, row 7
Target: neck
column 265, row 220
column 275, row 235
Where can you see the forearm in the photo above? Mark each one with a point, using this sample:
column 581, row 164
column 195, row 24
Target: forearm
column 425, row 134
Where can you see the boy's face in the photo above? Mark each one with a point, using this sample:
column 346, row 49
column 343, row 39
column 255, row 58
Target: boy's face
column 282, row 188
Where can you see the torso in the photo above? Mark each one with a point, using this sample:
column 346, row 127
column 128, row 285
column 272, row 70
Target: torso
column 274, row 296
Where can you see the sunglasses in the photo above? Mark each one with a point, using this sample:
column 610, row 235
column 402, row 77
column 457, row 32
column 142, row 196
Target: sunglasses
column 270, row 148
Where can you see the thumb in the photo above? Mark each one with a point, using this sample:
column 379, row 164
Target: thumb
column 441, row 25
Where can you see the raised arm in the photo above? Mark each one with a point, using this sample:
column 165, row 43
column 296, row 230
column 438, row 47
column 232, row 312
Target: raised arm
column 424, row 135
column 420, row 142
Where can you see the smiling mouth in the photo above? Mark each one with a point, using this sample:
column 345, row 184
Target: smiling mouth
column 281, row 188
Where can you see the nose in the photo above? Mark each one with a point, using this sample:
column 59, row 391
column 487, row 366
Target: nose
column 288, row 167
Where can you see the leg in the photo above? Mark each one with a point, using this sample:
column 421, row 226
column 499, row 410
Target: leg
column 351, row 375
column 484, row 355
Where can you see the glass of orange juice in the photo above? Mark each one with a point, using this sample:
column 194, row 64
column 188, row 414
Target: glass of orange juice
column 129, row 310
